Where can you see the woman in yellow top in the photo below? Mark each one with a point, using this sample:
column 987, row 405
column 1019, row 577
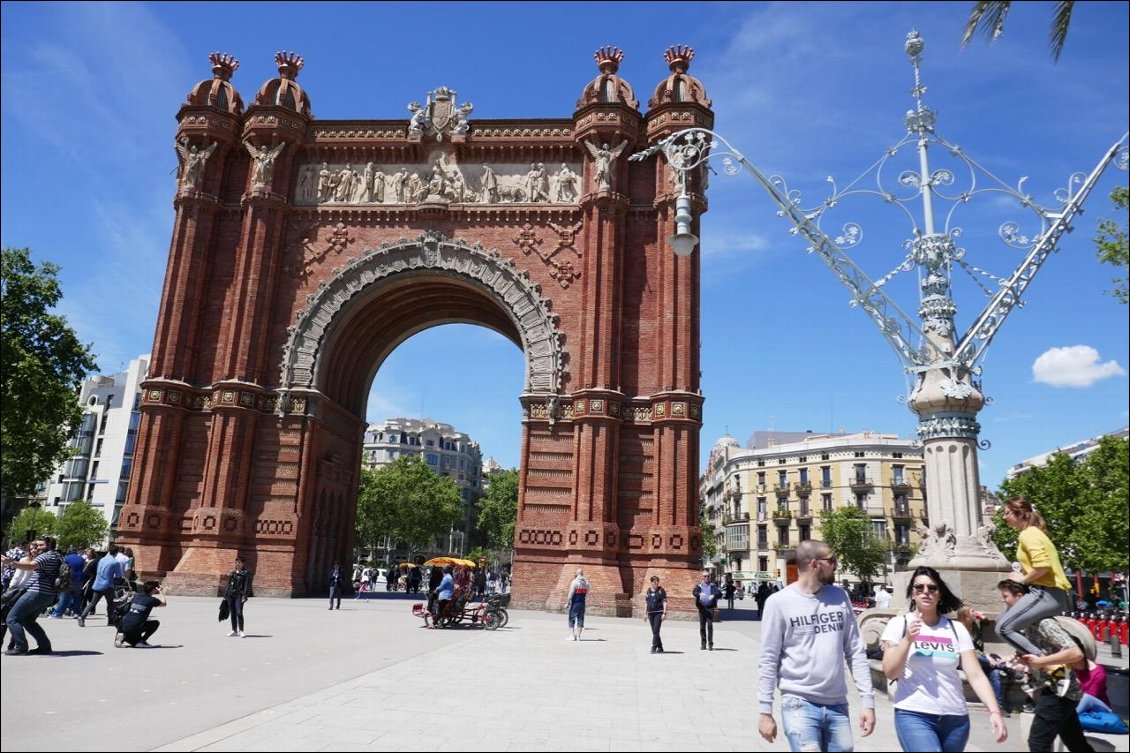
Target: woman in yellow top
column 1040, row 570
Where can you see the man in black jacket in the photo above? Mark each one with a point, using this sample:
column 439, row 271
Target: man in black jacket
column 706, row 598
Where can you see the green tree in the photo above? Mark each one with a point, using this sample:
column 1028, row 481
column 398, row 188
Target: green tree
column 407, row 501
column 988, row 18
column 709, row 541
column 1112, row 244
column 30, row 519
column 848, row 533
column 498, row 510
column 80, row 526
column 1082, row 503
column 43, row 366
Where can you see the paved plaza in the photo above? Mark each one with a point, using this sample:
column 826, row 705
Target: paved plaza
column 368, row 677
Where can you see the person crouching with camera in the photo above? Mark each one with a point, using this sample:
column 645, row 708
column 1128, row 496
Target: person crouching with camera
column 136, row 627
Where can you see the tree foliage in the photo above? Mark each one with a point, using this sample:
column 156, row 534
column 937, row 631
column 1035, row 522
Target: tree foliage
column 1112, row 244
column 709, row 540
column 1083, row 503
column 848, row 533
column 30, row 519
column 80, row 526
column 43, row 366
column 498, row 510
column 407, row 501
column 988, row 18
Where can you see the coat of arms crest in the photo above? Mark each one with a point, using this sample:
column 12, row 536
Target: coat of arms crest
column 439, row 116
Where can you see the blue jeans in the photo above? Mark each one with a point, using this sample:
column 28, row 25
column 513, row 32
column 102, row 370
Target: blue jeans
column 67, row 600
column 577, row 615
column 23, row 616
column 931, row 732
column 814, row 726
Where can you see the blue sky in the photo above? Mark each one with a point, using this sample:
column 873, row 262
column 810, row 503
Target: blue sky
column 805, row 90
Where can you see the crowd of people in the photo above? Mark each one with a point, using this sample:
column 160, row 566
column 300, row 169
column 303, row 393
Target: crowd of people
column 809, row 624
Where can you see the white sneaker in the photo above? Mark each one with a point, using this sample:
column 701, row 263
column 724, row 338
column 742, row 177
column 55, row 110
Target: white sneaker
column 242, row 634
column 232, row 634
column 570, row 637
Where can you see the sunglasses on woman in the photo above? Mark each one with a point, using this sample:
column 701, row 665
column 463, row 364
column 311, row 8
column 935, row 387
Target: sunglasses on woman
column 927, row 587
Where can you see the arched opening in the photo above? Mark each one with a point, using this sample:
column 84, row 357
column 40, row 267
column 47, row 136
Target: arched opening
column 351, row 328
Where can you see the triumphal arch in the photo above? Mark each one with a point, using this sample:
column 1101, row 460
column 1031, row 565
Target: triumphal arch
column 304, row 251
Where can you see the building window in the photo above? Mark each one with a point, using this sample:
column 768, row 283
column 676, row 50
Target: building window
column 896, row 455
column 804, row 532
column 823, row 456
column 98, row 447
column 782, row 477
column 782, row 461
column 433, row 459
column 879, row 528
column 761, row 478
column 762, row 537
column 861, row 472
column 762, row 508
column 861, row 500
column 902, row 534
column 897, row 473
column 826, row 476
column 858, row 454
column 826, row 501
column 763, row 564
column 901, row 505
column 782, row 535
column 760, row 463
column 803, row 475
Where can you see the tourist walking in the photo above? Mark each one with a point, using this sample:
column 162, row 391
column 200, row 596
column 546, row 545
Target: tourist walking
column 578, row 593
column 1040, row 570
column 445, row 592
column 108, row 575
column 807, row 634
column 729, row 590
column 237, row 592
column 656, row 612
column 337, row 581
column 706, row 596
column 922, row 650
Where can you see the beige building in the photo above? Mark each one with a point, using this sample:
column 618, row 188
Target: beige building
column 446, row 451
column 760, row 500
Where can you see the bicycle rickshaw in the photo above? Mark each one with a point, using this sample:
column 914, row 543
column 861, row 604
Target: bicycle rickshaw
column 490, row 613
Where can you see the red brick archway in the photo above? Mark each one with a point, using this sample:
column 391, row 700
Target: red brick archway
column 305, row 251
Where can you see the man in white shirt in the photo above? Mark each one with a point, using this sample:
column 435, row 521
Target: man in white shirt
column 882, row 598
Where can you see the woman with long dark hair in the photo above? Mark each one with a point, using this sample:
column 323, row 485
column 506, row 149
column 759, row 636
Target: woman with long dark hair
column 922, row 650
column 1040, row 570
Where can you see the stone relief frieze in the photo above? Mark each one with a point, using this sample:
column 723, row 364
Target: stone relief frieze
column 487, row 270
column 442, row 181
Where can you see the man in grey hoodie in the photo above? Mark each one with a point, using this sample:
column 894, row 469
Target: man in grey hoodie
column 808, row 632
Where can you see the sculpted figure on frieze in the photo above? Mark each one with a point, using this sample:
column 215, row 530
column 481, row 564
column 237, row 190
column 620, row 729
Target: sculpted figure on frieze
column 193, row 159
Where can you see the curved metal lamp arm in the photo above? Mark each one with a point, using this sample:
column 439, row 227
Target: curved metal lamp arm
column 972, row 346
column 691, row 148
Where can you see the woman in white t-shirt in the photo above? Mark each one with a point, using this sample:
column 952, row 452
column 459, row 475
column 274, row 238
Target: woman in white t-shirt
column 922, row 650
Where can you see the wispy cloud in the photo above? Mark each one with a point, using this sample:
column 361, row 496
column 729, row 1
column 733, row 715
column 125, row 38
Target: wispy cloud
column 1012, row 418
column 1073, row 366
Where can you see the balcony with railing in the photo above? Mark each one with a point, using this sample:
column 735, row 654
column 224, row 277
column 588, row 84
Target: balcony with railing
column 900, row 485
column 781, row 490
column 861, row 482
column 825, row 483
column 785, row 551
column 804, row 515
column 803, row 488
column 782, row 514
column 901, row 512
column 922, row 512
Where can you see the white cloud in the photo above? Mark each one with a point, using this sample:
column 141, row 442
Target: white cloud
column 1073, row 366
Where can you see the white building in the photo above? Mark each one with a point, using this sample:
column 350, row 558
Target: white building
column 1076, row 451
column 448, row 452
column 99, row 470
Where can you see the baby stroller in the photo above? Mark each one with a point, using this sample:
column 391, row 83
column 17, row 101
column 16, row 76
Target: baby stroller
column 123, row 597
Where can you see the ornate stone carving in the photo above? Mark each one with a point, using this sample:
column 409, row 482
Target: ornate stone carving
column 263, row 166
column 562, row 271
column 193, row 159
column 948, row 426
column 442, row 179
column 604, row 156
column 439, row 116
column 486, row 270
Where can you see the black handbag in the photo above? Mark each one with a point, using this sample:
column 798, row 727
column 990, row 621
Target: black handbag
column 225, row 610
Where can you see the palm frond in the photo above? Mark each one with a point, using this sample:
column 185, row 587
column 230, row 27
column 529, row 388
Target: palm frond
column 988, row 17
column 1062, row 19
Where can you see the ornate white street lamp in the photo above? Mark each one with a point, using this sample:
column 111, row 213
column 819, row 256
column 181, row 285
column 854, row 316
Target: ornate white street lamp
column 946, row 365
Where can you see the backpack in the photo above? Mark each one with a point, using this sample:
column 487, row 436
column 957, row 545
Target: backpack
column 63, row 579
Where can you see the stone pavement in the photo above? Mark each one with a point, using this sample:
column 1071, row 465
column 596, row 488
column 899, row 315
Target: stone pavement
column 368, row 677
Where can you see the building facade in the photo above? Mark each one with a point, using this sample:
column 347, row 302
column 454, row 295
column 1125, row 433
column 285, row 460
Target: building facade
column 99, row 470
column 760, row 501
column 446, row 451
column 1076, row 451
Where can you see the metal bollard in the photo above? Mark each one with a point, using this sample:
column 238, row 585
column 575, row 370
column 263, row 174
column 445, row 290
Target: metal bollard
column 1115, row 645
